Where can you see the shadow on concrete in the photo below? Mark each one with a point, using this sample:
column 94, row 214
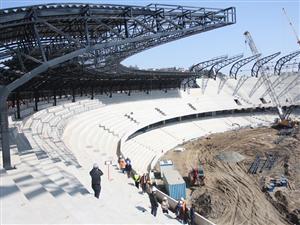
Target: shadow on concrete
column 140, row 208
column 170, row 217
column 8, row 190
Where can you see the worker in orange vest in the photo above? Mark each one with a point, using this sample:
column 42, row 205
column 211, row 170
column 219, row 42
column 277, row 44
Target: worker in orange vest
column 183, row 211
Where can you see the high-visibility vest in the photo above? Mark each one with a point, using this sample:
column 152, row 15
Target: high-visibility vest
column 136, row 177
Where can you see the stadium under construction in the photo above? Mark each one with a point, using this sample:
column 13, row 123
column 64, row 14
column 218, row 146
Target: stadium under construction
column 66, row 102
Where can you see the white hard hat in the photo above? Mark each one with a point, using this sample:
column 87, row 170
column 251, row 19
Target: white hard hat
column 154, row 188
column 95, row 165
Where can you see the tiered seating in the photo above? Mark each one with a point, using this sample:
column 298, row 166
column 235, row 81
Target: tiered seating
column 103, row 128
column 47, row 128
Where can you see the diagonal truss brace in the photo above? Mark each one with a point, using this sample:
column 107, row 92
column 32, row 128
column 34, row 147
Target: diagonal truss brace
column 55, row 29
column 290, row 86
column 240, row 83
column 16, row 51
column 297, row 98
column 276, row 83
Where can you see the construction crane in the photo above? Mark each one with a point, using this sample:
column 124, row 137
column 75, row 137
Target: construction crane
column 251, row 44
column 265, row 79
column 292, row 26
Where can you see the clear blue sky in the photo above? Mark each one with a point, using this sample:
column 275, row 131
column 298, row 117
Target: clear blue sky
column 264, row 19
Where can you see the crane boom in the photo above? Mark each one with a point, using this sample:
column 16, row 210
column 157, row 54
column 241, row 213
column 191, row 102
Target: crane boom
column 265, row 77
column 292, row 26
column 251, row 43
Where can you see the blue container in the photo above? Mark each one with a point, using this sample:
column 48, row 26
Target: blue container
column 165, row 165
column 174, row 184
column 271, row 187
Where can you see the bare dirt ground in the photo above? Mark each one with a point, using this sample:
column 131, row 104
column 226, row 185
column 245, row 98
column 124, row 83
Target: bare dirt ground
column 233, row 196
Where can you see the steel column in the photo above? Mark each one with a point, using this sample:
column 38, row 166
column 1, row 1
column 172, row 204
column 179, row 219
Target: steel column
column 92, row 94
column 36, row 100
column 73, row 95
column 18, row 106
column 54, row 97
column 4, row 129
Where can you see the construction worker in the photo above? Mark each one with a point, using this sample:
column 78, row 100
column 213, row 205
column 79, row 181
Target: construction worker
column 178, row 209
column 165, row 205
column 96, row 174
column 153, row 201
column 128, row 167
column 148, row 187
column 183, row 214
column 122, row 164
column 195, row 176
column 136, row 179
column 192, row 214
column 143, row 182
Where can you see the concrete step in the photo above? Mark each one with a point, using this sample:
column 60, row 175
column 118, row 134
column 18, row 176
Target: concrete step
column 38, row 196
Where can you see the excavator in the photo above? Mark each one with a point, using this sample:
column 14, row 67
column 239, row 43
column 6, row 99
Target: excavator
column 283, row 121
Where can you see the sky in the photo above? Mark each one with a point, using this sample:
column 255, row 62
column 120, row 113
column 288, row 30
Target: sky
column 264, row 19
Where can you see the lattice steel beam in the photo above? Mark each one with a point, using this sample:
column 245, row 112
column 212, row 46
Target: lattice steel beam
column 126, row 21
column 239, row 64
column 219, row 65
column 202, row 65
column 280, row 63
column 259, row 64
